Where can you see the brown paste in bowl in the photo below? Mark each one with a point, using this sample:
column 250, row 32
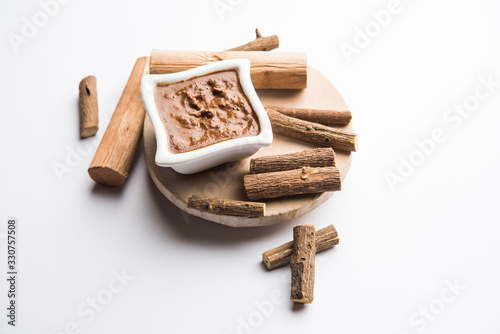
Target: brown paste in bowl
column 205, row 110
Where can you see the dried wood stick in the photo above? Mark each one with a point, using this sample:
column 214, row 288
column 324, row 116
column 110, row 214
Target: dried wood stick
column 312, row 132
column 318, row 157
column 307, row 180
column 114, row 156
column 315, row 115
column 302, row 263
column 259, row 44
column 89, row 117
column 226, row 207
column 269, row 70
column 277, row 257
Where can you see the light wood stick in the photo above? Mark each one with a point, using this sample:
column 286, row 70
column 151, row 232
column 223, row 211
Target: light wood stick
column 277, row 257
column 259, row 44
column 89, row 118
column 269, row 70
column 114, row 156
column 307, row 180
column 226, row 207
column 315, row 115
column 312, row 132
column 302, row 263
column 318, row 157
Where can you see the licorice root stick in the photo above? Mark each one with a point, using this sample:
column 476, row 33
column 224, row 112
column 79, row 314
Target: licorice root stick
column 318, row 157
column 312, row 132
column 302, row 263
column 89, row 117
column 277, row 257
column 307, row 180
column 341, row 117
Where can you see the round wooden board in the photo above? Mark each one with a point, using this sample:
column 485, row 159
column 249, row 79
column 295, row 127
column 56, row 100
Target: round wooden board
column 226, row 181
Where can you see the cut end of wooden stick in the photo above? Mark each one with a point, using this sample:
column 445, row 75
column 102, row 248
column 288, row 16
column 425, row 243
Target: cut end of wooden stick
column 355, row 143
column 89, row 131
column 107, row 176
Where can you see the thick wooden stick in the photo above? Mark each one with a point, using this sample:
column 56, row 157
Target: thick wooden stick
column 89, row 117
column 114, row 156
column 302, row 263
column 312, row 132
column 318, row 157
column 259, row 44
column 226, row 207
column 315, row 115
column 306, row 180
column 269, row 70
column 277, row 257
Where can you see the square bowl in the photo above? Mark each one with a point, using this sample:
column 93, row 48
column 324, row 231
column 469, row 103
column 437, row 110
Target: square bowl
column 205, row 157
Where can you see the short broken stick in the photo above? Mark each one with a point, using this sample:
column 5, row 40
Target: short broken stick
column 302, row 263
column 319, row 157
column 89, row 117
column 277, row 257
column 226, row 207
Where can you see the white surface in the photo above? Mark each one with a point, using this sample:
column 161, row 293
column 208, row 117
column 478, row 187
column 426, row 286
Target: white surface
column 213, row 155
column 399, row 249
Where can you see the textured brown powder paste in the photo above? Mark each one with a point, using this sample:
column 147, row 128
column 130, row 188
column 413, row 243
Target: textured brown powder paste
column 205, row 110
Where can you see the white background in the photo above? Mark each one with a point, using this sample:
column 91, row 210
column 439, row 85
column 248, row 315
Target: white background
column 401, row 247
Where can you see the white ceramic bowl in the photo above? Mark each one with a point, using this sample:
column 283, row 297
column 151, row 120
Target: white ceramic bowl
column 214, row 154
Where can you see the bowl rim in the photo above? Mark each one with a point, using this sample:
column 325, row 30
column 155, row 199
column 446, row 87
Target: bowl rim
column 166, row 158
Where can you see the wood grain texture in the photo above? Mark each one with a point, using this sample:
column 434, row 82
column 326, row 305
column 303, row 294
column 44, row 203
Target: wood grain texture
column 226, row 207
column 259, row 44
column 89, row 118
column 114, row 156
column 280, row 256
column 318, row 157
column 302, row 263
column 307, row 180
column 269, row 70
column 312, row 132
column 322, row 116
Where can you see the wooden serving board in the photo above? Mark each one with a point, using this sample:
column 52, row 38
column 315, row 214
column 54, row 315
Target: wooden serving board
column 226, row 181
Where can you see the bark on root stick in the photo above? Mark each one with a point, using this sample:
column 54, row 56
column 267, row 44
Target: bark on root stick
column 302, row 263
column 277, row 257
column 89, row 117
column 319, row 157
column 307, row 180
column 312, row 132
column 226, row 207
column 259, row 44
column 114, row 156
column 342, row 117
